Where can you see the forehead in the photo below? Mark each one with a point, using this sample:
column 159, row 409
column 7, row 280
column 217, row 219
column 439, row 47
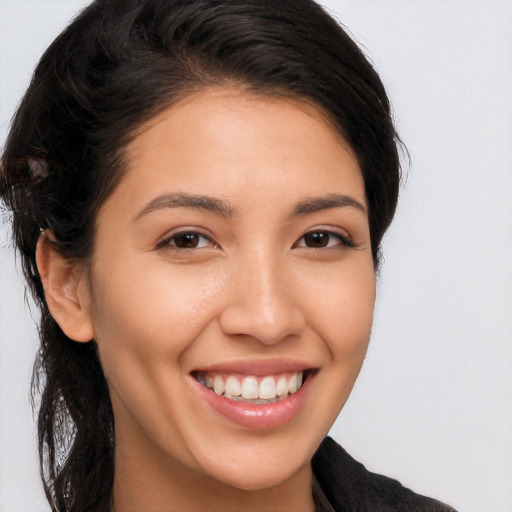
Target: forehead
column 239, row 99
column 225, row 142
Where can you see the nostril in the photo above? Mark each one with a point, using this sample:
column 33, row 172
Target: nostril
column 266, row 327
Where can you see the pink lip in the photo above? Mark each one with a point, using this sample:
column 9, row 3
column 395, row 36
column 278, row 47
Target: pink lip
column 256, row 368
column 257, row 416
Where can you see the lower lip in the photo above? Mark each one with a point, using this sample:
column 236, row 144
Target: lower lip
column 258, row 416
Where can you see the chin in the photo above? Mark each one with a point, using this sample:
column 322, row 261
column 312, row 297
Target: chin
column 250, row 478
column 255, row 468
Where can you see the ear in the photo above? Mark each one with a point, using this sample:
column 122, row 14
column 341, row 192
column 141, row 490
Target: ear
column 66, row 290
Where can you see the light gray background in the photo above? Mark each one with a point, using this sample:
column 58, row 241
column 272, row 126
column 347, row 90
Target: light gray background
column 433, row 405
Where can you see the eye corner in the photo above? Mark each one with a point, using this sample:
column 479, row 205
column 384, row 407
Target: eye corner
column 324, row 239
column 187, row 240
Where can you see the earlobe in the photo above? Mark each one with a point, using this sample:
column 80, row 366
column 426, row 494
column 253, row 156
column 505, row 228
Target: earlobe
column 66, row 290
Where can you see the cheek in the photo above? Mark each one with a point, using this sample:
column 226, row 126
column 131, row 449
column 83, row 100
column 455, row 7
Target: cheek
column 144, row 327
column 153, row 315
column 341, row 306
column 343, row 316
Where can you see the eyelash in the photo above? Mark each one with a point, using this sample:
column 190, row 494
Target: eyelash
column 167, row 242
column 343, row 240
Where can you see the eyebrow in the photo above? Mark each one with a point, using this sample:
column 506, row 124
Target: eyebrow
column 315, row 204
column 212, row 204
column 182, row 200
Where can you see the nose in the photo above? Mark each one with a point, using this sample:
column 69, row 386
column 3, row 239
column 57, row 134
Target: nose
column 262, row 303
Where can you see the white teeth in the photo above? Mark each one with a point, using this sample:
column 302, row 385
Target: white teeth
column 282, row 387
column 250, row 388
column 292, row 384
column 267, row 388
column 233, row 386
column 218, row 385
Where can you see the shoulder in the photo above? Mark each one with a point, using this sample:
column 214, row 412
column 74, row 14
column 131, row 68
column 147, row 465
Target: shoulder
column 350, row 487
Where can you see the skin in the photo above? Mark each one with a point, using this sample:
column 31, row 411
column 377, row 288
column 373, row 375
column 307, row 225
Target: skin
column 253, row 289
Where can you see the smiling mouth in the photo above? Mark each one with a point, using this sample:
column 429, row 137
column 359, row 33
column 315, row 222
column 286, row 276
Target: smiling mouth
column 251, row 389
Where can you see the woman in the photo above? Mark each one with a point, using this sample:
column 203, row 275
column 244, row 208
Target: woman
column 199, row 193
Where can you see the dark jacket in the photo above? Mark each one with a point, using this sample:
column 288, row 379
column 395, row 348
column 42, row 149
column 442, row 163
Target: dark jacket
column 349, row 487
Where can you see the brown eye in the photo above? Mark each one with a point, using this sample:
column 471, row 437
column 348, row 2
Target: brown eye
column 317, row 239
column 186, row 240
column 323, row 240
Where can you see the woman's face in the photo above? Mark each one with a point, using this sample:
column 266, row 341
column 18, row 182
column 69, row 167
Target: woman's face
column 234, row 257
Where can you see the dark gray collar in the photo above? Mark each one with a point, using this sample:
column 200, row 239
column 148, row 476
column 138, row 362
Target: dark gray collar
column 349, row 487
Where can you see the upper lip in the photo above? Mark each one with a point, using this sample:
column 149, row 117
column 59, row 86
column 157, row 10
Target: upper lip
column 258, row 367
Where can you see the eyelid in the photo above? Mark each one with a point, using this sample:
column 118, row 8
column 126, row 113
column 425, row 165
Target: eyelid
column 345, row 239
column 165, row 240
